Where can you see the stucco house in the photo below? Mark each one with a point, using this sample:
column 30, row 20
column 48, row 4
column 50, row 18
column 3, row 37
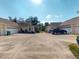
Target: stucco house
column 7, row 26
column 52, row 26
column 71, row 26
column 27, row 27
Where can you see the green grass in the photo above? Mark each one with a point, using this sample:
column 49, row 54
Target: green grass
column 75, row 50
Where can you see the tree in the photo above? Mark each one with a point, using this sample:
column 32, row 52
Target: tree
column 46, row 24
column 41, row 27
column 21, row 20
column 10, row 18
column 35, row 21
column 13, row 20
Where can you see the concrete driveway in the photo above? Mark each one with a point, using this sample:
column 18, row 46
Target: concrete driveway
column 36, row 46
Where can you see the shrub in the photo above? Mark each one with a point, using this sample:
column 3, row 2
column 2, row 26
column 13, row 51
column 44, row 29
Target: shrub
column 75, row 50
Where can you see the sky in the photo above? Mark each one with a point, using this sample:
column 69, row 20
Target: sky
column 45, row 10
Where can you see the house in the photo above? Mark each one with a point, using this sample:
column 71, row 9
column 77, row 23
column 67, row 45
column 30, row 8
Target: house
column 52, row 26
column 26, row 27
column 8, row 27
column 71, row 26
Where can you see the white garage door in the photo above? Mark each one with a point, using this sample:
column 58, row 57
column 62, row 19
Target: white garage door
column 12, row 31
column 1, row 31
column 69, row 30
column 78, row 29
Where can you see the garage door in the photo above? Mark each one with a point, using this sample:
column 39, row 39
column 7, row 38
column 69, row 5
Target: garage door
column 69, row 30
column 78, row 29
column 2, row 32
column 12, row 31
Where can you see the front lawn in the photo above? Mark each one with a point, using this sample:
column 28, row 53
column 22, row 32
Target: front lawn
column 75, row 50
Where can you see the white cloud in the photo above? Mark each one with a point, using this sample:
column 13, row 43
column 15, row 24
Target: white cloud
column 48, row 16
column 53, row 18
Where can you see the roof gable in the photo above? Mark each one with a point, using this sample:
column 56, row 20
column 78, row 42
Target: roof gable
column 8, row 23
column 72, row 21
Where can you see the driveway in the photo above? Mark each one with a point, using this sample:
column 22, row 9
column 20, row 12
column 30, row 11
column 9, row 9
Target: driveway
column 36, row 46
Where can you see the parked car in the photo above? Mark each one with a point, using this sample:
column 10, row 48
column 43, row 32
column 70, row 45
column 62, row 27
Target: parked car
column 63, row 32
column 58, row 31
column 50, row 31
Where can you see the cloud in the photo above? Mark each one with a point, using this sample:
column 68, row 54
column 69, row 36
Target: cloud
column 48, row 16
column 53, row 18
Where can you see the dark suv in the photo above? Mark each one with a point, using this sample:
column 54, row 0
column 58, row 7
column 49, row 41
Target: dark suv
column 58, row 31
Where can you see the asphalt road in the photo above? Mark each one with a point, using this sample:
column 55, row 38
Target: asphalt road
column 36, row 46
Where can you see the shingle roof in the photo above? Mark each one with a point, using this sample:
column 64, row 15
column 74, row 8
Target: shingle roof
column 55, row 24
column 8, row 23
column 73, row 21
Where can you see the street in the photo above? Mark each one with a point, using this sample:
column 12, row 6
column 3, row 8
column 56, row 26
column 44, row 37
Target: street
column 36, row 46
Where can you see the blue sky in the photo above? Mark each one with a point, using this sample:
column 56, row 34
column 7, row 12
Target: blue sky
column 45, row 10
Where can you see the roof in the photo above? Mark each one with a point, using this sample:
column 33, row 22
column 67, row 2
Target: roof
column 55, row 24
column 24, row 24
column 73, row 21
column 8, row 23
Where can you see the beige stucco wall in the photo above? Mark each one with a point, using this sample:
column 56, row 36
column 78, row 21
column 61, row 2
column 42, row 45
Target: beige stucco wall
column 29, row 28
column 73, row 27
column 48, row 28
column 2, row 28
